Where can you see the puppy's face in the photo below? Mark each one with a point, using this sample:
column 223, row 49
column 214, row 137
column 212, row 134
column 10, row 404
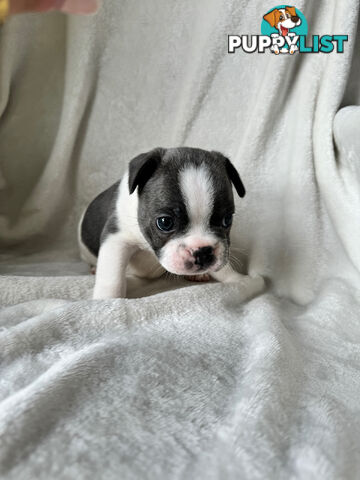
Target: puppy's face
column 283, row 19
column 186, row 206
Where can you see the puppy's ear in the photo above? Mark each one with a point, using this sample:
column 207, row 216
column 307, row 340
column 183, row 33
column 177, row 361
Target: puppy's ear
column 235, row 178
column 292, row 11
column 142, row 167
column 233, row 175
column 270, row 18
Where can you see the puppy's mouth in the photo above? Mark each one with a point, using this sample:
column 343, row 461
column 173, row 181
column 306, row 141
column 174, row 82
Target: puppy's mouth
column 284, row 31
column 192, row 266
column 183, row 259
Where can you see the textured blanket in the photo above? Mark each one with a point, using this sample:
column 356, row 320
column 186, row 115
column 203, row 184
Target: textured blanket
column 180, row 380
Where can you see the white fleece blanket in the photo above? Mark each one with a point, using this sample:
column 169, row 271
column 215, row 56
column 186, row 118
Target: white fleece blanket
column 180, row 380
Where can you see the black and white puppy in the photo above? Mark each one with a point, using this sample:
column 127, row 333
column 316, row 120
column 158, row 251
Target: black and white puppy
column 179, row 220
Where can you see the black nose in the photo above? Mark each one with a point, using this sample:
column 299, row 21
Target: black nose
column 295, row 18
column 204, row 256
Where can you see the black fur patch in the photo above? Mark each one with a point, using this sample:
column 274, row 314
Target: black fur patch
column 99, row 219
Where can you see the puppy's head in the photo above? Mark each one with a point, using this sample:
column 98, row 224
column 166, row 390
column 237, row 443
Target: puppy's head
column 186, row 206
column 283, row 19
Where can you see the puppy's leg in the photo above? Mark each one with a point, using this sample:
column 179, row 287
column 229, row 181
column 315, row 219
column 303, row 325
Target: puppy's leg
column 114, row 256
column 228, row 275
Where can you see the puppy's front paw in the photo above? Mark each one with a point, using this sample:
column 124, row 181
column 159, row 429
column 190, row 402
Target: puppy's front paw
column 249, row 285
column 257, row 282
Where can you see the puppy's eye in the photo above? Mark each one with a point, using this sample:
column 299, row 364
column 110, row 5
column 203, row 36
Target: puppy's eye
column 281, row 17
column 227, row 221
column 165, row 223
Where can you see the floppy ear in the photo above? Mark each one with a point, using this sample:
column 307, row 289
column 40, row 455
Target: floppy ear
column 270, row 18
column 292, row 11
column 142, row 167
column 235, row 178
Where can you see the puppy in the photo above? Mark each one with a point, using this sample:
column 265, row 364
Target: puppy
column 173, row 211
column 283, row 19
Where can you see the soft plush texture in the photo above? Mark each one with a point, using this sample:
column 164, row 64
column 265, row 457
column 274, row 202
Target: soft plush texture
column 180, row 380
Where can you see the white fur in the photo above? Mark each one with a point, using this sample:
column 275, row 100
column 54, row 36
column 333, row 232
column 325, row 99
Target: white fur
column 197, row 190
column 126, row 250
column 114, row 256
column 249, row 284
column 126, row 209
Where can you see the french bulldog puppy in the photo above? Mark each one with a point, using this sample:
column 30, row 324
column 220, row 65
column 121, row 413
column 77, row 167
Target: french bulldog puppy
column 172, row 210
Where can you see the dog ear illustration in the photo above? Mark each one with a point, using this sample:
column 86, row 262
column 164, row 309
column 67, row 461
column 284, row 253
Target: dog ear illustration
column 142, row 167
column 270, row 18
column 235, row 178
column 292, row 11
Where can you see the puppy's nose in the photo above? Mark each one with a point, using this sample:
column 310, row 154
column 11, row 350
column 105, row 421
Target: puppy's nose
column 295, row 18
column 204, row 256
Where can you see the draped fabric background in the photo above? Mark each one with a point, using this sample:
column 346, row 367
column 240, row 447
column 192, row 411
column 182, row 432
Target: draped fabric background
column 198, row 381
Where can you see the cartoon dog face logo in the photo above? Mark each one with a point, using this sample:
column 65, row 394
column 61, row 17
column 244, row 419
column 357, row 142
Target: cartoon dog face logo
column 283, row 19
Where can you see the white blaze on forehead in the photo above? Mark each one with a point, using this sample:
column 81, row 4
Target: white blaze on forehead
column 197, row 190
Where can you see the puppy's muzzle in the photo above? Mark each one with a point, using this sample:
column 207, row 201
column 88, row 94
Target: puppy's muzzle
column 204, row 256
column 193, row 255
